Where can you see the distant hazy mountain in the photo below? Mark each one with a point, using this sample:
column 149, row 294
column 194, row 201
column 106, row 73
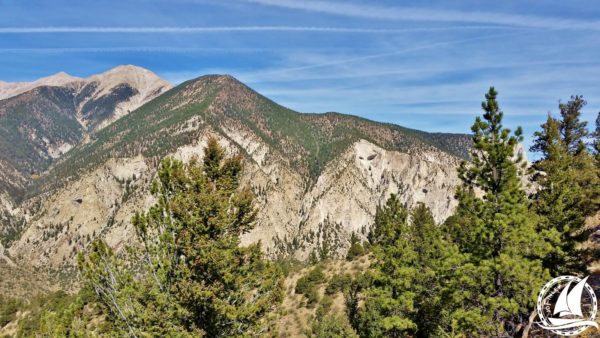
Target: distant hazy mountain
column 317, row 177
column 8, row 89
column 41, row 120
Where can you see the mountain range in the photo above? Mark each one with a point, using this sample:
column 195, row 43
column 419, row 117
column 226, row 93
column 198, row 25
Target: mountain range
column 77, row 157
column 41, row 120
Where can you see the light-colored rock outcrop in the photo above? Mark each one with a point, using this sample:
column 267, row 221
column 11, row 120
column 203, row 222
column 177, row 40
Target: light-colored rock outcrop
column 346, row 195
column 294, row 217
column 146, row 84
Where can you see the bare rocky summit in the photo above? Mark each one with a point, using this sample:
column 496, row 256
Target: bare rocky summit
column 113, row 94
column 8, row 89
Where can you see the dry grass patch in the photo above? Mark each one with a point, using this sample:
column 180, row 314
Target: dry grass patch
column 297, row 314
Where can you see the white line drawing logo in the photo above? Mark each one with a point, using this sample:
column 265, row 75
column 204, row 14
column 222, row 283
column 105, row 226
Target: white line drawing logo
column 567, row 310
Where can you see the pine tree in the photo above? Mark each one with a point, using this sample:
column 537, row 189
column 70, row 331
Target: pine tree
column 387, row 220
column 567, row 188
column 356, row 249
column 574, row 135
column 437, row 261
column 332, row 326
column 495, row 229
column 192, row 276
column 572, row 129
column 548, row 141
column 389, row 300
column 402, row 296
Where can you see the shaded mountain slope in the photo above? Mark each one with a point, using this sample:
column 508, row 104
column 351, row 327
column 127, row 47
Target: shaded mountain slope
column 35, row 127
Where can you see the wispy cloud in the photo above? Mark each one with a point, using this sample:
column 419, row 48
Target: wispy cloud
column 225, row 29
column 431, row 15
column 363, row 98
column 133, row 49
column 386, row 54
column 386, row 70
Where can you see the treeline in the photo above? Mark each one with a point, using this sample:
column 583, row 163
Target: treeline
column 477, row 274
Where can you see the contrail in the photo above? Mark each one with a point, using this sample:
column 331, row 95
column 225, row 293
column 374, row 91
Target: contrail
column 380, row 55
column 130, row 49
column 224, row 29
column 396, row 13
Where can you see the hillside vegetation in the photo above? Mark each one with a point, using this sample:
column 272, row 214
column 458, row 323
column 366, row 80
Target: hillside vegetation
column 214, row 102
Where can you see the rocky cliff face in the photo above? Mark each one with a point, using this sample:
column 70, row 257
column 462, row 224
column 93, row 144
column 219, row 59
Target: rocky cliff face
column 317, row 177
column 293, row 220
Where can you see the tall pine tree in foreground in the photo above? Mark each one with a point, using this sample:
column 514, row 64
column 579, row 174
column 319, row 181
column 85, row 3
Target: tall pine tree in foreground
column 389, row 307
column 573, row 131
column 188, row 275
column 402, row 297
column 496, row 230
column 567, row 188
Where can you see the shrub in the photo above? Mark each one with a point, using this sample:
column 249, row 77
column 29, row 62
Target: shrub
column 307, row 285
column 332, row 326
column 8, row 310
column 356, row 249
column 338, row 283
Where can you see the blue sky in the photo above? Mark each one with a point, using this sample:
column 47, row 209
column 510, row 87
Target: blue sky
column 422, row 64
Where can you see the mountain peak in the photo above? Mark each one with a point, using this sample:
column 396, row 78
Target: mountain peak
column 217, row 77
column 230, row 79
column 128, row 69
column 303, row 162
column 228, row 91
column 128, row 72
column 137, row 77
column 58, row 79
column 10, row 89
column 226, row 83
